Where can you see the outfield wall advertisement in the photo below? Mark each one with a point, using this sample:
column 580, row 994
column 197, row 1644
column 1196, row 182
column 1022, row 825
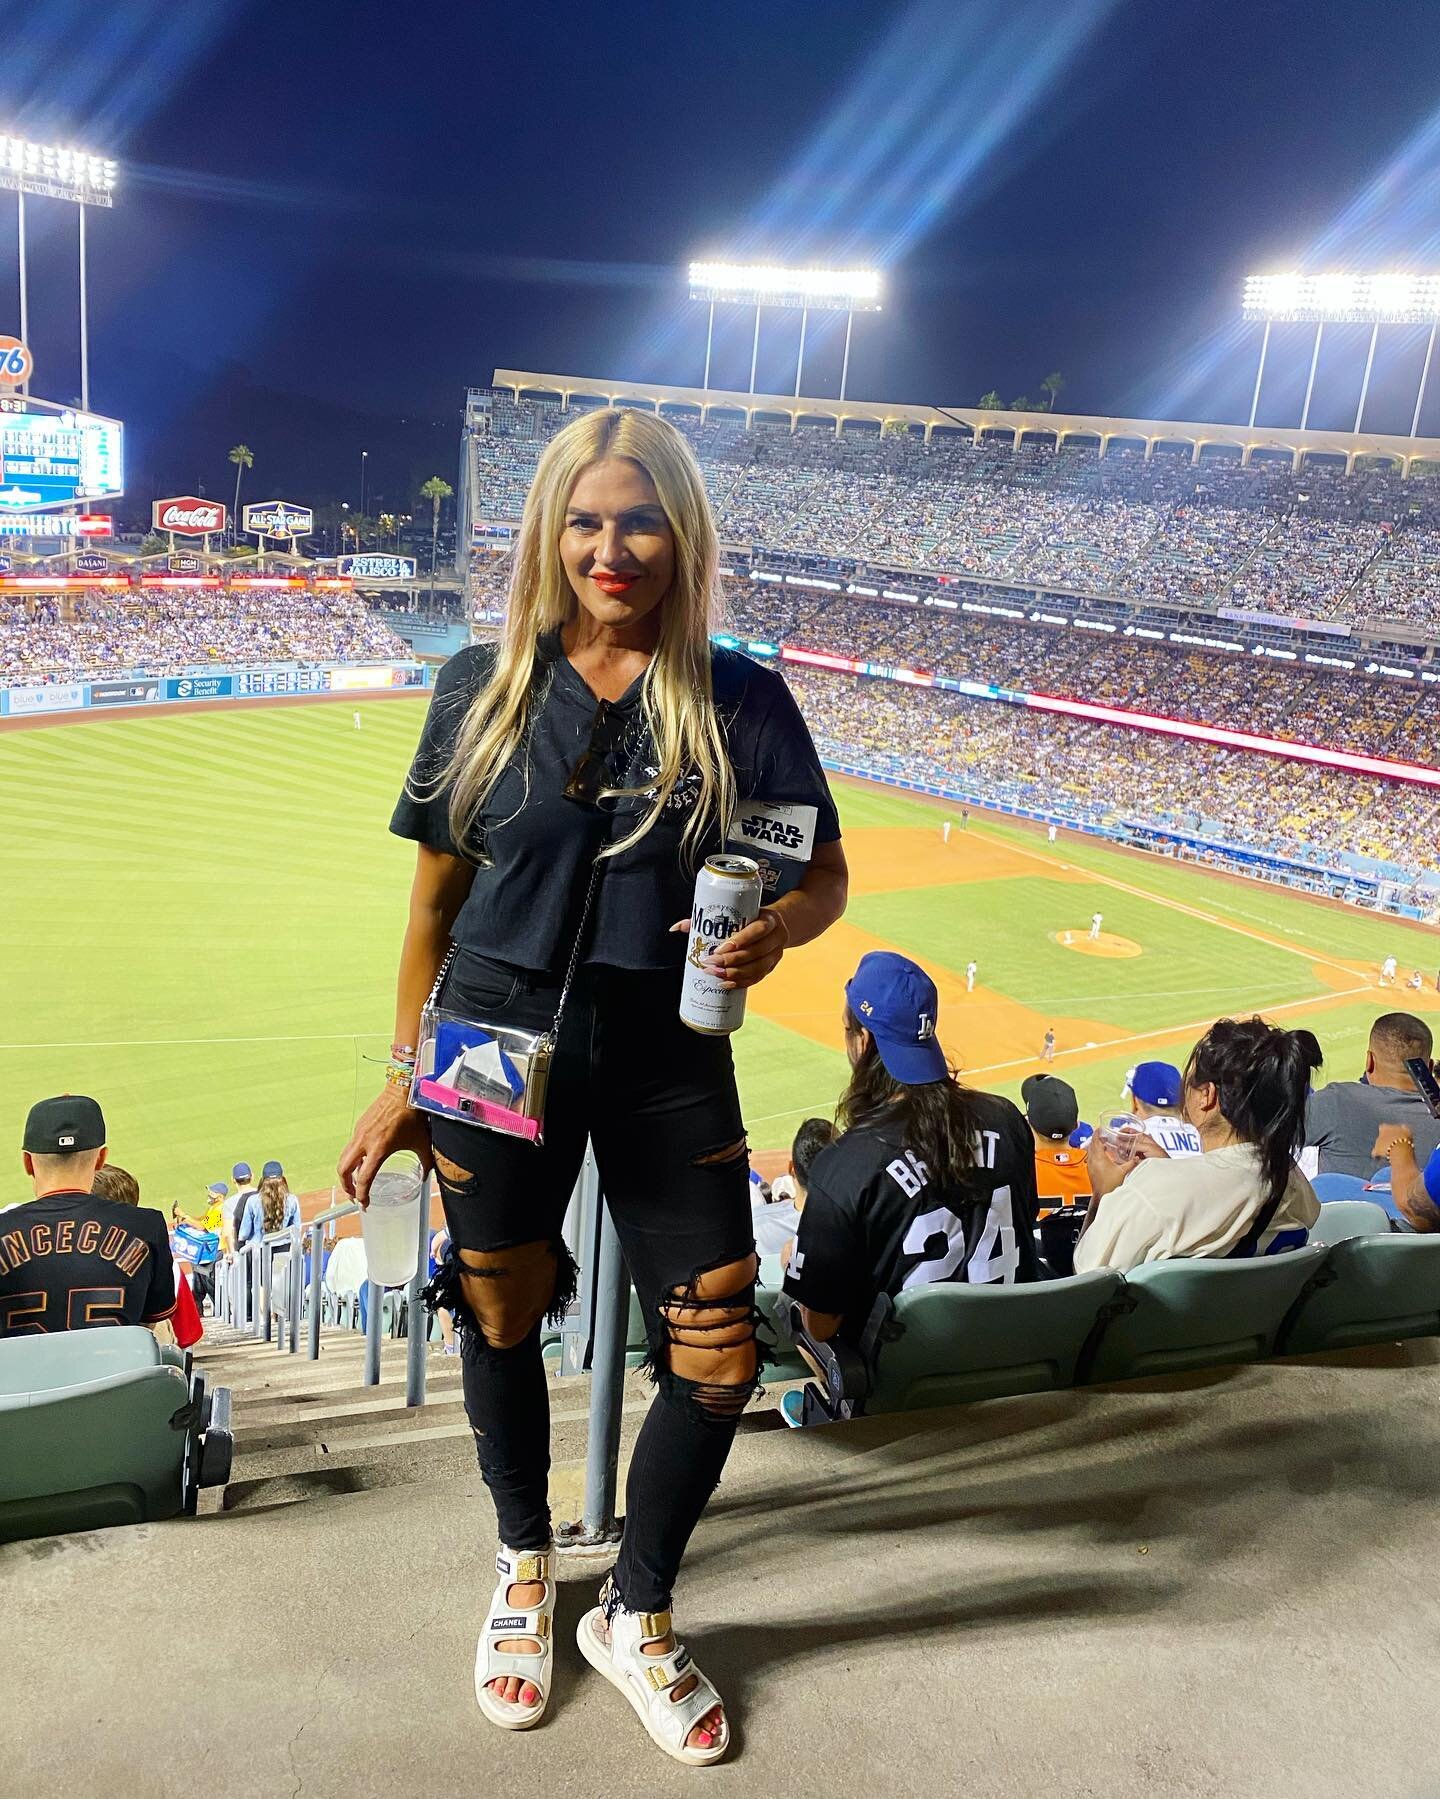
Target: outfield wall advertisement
column 235, row 684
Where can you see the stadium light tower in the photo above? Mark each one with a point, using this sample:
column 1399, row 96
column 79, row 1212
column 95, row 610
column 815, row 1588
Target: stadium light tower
column 57, row 172
column 1389, row 298
column 803, row 290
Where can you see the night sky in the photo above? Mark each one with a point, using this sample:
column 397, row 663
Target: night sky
column 334, row 217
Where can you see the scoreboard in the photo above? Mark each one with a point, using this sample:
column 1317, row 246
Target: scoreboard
column 56, row 457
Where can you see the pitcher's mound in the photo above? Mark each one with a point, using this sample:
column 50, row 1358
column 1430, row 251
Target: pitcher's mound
column 1106, row 944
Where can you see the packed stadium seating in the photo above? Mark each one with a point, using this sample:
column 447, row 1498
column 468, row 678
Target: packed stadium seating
column 1317, row 544
column 155, row 634
column 1349, row 710
column 1093, row 773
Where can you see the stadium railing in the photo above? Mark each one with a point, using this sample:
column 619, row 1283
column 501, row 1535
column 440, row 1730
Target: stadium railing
column 250, row 1274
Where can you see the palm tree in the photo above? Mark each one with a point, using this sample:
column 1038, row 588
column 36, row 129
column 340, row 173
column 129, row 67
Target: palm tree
column 1052, row 385
column 435, row 490
column 243, row 457
column 992, row 402
column 1021, row 403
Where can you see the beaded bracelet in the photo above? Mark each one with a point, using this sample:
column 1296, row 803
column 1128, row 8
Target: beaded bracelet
column 402, row 1052
column 398, row 1075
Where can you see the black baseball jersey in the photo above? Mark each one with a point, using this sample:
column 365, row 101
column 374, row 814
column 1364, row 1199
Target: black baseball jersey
column 874, row 1220
column 71, row 1261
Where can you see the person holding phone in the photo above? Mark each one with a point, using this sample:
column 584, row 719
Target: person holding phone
column 1245, row 1089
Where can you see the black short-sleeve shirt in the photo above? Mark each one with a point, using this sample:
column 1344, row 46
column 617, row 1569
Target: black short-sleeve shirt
column 875, row 1222
column 534, row 848
column 71, row 1261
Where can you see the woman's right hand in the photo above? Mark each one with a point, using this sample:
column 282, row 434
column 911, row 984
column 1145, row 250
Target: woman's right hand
column 388, row 1124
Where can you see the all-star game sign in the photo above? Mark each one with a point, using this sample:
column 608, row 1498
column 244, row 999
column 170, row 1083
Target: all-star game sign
column 280, row 519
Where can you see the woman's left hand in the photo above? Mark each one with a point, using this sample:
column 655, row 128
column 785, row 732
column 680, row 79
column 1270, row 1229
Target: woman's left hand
column 752, row 953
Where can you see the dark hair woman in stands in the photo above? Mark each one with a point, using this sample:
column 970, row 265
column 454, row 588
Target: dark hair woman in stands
column 1246, row 1087
column 927, row 1179
column 599, row 748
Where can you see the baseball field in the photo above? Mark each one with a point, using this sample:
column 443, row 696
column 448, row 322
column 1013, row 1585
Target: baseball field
column 202, row 913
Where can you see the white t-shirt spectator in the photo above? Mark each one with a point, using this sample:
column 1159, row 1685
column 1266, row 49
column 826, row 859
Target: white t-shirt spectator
column 1193, row 1206
column 774, row 1225
column 1175, row 1136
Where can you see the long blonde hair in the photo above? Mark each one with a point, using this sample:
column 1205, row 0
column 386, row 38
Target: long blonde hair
column 677, row 696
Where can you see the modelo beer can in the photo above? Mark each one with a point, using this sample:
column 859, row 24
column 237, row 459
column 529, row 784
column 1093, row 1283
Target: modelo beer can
column 727, row 898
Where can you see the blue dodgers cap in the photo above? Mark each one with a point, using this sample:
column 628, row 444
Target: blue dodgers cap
column 240, row 1172
column 895, row 1000
column 270, row 1171
column 218, row 1188
column 1157, row 1084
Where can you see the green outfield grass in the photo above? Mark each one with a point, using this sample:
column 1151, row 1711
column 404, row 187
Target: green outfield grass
column 203, row 913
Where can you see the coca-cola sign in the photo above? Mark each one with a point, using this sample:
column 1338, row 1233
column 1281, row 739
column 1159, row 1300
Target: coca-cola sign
column 188, row 516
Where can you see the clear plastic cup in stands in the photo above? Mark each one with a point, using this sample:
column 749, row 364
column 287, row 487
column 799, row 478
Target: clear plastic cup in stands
column 1117, row 1136
column 390, row 1224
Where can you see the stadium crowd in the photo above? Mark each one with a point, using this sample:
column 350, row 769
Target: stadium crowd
column 1318, row 544
column 1092, row 773
column 1378, row 716
column 161, row 633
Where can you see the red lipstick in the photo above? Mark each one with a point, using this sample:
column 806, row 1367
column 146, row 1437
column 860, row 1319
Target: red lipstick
column 614, row 585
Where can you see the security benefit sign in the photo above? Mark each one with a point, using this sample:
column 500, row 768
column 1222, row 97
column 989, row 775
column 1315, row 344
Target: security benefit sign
column 278, row 518
column 780, row 838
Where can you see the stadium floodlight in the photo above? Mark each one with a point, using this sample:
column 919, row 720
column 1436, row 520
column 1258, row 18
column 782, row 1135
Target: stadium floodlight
column 1391, row 297
column 803, row 290
column 1338, row 297
column 839, row 290
column 57, row 172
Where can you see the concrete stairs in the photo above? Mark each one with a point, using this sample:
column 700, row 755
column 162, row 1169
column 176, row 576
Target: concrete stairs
column 313, row 1430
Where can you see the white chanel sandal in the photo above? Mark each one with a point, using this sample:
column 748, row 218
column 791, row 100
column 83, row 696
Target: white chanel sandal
column 647, row 1681
column 515, row 1567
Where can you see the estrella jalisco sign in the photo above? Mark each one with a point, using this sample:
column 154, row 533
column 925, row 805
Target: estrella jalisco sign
column 374, row 566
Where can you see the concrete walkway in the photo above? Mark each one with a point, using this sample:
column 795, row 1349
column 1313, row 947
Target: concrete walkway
column 1218, row 1585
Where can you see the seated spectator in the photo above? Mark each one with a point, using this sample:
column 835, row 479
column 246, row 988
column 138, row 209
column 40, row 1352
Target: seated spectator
column 196, row 1245
column 777, row 1220
column 1062, row 1175
column 183, row 1326
column 1156, row 1095
column 439, row 1251
column 71, row 1259
column 1414, row 1191
column 1246, row 1085
column 926, row 1180
column 1344, row 1116
column 113, row 1182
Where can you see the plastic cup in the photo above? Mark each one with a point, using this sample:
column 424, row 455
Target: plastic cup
column 390, row 1225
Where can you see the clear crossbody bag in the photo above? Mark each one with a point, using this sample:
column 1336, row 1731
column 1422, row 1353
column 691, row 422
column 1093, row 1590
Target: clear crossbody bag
column 491, row 1075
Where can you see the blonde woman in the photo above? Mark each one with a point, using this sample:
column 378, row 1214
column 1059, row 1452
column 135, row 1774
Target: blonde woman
column 603, row 735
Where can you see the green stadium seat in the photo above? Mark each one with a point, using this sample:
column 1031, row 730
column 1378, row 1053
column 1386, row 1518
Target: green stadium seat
column 1341, row 1219
column 963, row 1343
column 98, row 1428
column 1377, row 1289
column 1194, row 1312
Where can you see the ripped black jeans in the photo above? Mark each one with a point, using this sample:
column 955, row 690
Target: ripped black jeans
column 658, row 1101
